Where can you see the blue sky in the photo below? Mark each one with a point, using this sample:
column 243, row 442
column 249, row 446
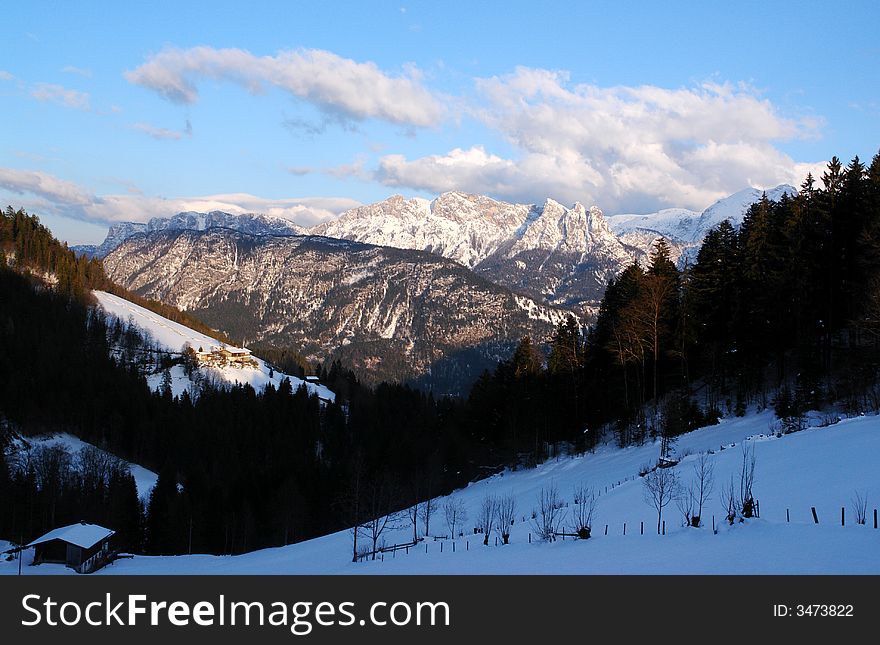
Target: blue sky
column 124, row 111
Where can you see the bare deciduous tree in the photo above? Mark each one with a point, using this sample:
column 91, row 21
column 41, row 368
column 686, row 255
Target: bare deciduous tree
column 686, row 502
column 660, row 487
column 380, row 499
column 505, row 512
column 456, row 515
column 426, row 511
column 746, row 480
column 728, row 500
column 412, row 514
column 486, row 519
column 549, row 515
column 704, row 484
column 352, row 503
column 585, row 501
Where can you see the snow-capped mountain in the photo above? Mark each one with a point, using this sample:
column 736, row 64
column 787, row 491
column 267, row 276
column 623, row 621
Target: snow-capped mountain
column 555, row 254
column 192, row 221
column 465, row 228
column 685, row 229
column 563, row 255
column 391, row 313
column 116, row 235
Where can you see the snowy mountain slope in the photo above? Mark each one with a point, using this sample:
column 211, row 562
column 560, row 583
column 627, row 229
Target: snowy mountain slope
column 144, row 478
column 818, row 467
column 192, row 221
column 685, row 229
column 172, row 336
column 561, row 255
column 465, row 228
column 390, row 313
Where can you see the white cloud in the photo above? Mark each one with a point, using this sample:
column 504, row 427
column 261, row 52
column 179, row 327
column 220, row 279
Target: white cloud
column 23, row 182
column 623, row 148
column 6, row 76
column 163, row 134
column 42, row 192
column 60, row 95
column 339, row 86
column 79, row 71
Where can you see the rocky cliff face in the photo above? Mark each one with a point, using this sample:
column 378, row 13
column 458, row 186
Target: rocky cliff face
column 389, row 313
column 191, row 221
column 561, row 255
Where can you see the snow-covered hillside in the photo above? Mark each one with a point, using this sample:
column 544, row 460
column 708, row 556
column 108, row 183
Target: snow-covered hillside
column 691, row 226
column 172, row 336
column 685, row 229
column 818, row 467
column 144, row 478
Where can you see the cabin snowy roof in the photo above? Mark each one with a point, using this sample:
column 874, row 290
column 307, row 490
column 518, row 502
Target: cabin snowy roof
column 81, row 535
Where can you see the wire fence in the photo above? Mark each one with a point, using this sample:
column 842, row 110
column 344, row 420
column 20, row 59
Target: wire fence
column 435, row 544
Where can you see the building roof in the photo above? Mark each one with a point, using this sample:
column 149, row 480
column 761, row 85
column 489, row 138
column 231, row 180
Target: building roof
column 81, row 535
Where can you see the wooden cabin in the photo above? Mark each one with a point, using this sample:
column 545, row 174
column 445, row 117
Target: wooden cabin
column 82, row 547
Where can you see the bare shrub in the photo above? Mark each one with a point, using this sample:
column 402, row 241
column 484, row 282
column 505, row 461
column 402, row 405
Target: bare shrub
column 860, row 506
column 486, row 518
column 549, row 515
column 747, row 480
column 505, row 513
column 704, row 484
column 729, row 500
column 585, row 500
column 686, row 503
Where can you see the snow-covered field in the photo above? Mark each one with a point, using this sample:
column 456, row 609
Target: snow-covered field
column 172, row 336
column 821, row 467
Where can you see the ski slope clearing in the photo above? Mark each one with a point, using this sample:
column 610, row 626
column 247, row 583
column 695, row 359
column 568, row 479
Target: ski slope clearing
column 172, row 336
column 818, row 467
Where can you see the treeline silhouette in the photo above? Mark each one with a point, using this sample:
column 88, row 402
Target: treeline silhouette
column 781, row 311
column 238, row 469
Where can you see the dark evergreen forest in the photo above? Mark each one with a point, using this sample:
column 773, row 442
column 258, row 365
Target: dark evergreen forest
column 783, row 312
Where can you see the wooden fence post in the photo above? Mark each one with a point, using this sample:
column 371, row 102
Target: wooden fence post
column 453, row 546
column 787, row 516
column 641, row 528
column 426, row 547
column 875, row 518
column 664, row 527
column 624, row 528
column 875, row 523
column 843, row 515
column 815, row 517
column 713, row 523
column 441, row 547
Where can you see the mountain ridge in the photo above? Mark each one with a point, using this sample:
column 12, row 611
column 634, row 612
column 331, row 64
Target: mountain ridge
column 391, row 313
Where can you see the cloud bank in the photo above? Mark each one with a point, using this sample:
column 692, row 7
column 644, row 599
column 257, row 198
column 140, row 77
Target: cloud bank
column 41, row 192
column 623, row 148
column 338, row 86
